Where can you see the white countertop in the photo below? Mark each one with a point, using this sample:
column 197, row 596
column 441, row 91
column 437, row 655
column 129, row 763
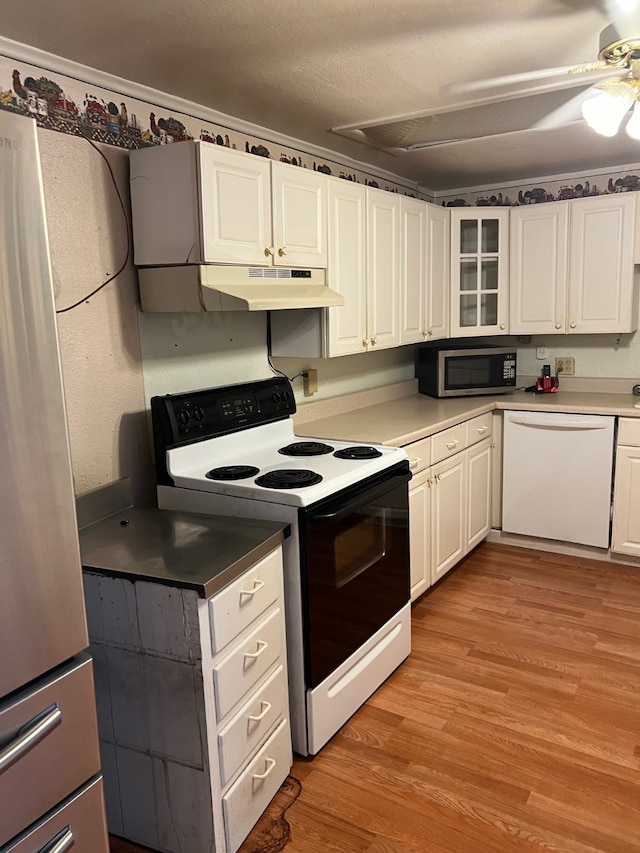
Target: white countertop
column 400, row 421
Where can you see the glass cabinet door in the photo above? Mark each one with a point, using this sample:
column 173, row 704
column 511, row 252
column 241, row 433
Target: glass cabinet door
column 479, row 247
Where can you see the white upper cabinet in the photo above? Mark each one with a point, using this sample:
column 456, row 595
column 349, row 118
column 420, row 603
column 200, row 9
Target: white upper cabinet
column 346, row 326
column 479, row 272
column 424, row 271
column 602, row 291
column 299, row 204
column 538, row 268
column 572, row 266
column 195, row 202
column 438, row 272
column 413, row 270
column 383, row 269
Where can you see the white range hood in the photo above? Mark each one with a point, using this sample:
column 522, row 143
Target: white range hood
column 209, row 287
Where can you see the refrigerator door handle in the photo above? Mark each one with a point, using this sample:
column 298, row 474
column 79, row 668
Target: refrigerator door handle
column 60, row 844
column 29, row 735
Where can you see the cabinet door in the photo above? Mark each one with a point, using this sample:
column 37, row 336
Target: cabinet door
column 538, row 268
column 479, row 272
column 235, row 194
column 383, row 268
column 346, row 330
column 448, row 515
column 438, row 272
column 625, row 537
column 413, row 258
column 601, row 272
column 299, row 216
column 479, row 477
column 420, row 534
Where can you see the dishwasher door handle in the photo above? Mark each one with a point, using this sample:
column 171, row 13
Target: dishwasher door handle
column 582, row 425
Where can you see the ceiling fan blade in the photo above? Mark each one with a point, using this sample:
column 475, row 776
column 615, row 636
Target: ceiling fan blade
column 528, row 76
column 566, row 113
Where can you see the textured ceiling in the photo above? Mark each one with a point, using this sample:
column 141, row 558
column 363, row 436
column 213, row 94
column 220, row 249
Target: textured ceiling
column 308, row 66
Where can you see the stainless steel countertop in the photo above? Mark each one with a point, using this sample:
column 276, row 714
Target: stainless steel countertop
column 188, row 550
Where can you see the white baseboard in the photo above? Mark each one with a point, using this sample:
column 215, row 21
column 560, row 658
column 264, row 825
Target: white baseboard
column 558, row 547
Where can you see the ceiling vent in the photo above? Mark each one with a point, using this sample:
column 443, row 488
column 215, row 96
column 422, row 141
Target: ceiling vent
column 507, row 114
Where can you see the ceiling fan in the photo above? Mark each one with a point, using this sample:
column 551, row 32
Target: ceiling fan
column 601, row 92
column 604, row 104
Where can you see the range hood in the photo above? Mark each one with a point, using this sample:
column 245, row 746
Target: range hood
column 214, row 287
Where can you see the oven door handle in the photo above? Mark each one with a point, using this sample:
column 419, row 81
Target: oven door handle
column 343, row 509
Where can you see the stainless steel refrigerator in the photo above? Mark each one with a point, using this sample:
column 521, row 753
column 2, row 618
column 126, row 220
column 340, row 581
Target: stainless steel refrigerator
column 50, row 785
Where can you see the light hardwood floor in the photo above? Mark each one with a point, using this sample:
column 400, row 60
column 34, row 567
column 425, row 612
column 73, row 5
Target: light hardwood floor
column 513, row 726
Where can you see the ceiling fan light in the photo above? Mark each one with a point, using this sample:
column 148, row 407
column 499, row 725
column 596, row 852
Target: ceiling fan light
column 605, row 112
column 633, row 125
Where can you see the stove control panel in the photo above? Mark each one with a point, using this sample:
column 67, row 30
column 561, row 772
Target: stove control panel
column 195, row 415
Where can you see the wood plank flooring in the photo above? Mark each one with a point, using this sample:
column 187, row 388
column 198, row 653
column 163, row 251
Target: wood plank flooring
column 513, row 727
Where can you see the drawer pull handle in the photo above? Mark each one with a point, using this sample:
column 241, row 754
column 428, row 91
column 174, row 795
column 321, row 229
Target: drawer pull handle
column 413, row 463
column 266, row 707
column 253, row 655
column 257, row 586
column 270, row 764
column 452, row 444
column 482, row 429
column 29, row 735
column 62, row 842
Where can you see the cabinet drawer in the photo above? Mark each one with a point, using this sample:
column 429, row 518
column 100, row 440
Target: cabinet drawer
column 479, row 428
column 448, row 442
column 629, row 431
column 79, row 821
column 252, row 792
column 237, row 673
column 243, row 735
column 419, row 453
column 60, row 711
column 237, row 605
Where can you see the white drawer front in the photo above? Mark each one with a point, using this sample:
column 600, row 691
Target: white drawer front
column 237, row 673
column 448, row 442
column 237, row 605
column 243, row 735
column 419, row 453
column 629, row 431
column 479, row 428
column 252, row 792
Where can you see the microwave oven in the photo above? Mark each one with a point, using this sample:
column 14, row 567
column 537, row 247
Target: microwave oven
column 463, row 371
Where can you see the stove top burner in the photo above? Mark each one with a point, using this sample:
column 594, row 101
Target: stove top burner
column 232, row 472
column 306, row 448
column 288, row 478
column 357, row 452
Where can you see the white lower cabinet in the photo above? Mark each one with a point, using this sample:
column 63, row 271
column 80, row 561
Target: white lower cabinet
column 625, row 536
column 193, row 706
column 449, row 498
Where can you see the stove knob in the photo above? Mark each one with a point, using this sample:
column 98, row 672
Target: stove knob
column 198, row 414
column 276, row 397
column 184, row 417
column 286, row 395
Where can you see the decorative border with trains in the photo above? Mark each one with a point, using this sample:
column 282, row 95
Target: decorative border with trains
column 109, row 120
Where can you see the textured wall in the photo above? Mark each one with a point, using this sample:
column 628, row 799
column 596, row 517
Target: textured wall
column 99, row 339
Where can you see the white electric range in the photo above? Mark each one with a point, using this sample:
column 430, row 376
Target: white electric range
column 232, row 451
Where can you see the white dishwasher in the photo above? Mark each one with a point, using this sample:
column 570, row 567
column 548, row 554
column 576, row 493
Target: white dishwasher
column 557, row 476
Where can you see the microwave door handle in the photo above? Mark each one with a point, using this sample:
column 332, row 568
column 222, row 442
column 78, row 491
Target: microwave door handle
column 343, row 509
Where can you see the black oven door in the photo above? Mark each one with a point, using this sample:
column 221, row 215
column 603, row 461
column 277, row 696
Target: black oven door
column 355, row 565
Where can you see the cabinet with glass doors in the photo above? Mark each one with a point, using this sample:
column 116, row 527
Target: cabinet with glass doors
column 479, row 272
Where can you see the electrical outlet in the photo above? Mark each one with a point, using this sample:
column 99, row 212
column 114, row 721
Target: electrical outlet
column 542, row 353
column 566, row 366
column 309, row 382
